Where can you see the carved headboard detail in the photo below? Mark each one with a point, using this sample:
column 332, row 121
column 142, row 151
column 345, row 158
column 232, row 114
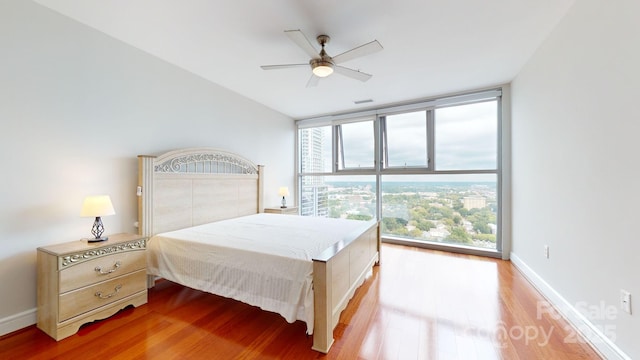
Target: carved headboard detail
column 189, row 187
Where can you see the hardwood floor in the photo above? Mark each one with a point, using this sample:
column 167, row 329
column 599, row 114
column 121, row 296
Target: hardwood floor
column 419, row 304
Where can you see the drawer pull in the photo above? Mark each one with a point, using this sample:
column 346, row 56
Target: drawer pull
column 115, row 267
column 117, row 288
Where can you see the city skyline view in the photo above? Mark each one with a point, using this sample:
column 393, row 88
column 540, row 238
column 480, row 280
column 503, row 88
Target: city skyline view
column 462, row 213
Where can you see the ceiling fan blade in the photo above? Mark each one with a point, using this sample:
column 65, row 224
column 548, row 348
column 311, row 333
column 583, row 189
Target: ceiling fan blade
column 283, row 66
column 354, row 74
column 361, row 50
column 298, row 37
column 313, row 81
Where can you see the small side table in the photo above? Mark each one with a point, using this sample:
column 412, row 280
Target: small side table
column 289, row 210
column 80, row 282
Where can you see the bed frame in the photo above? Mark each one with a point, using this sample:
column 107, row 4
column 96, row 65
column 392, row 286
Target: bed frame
column 189, row 187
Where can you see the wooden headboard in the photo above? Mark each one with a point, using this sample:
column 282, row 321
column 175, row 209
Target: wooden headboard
column 194, row 186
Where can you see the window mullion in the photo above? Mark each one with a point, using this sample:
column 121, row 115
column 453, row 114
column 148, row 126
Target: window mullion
column 338, row 153
column 431, row 140
column 381, row 158
column 382, row 135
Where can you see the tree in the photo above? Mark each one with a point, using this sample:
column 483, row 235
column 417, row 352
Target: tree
column 418, row 213
column 459, row 235
column 485, row 237
column 481, row 218
column 359, row 217
column 481, row 227
column 416, row 233
column 394, row 225
column 425, row 225
column 440, row 212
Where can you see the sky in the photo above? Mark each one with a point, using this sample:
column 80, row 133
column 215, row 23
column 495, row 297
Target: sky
column 466, row 138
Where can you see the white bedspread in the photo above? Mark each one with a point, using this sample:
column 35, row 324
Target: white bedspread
column 263, row 260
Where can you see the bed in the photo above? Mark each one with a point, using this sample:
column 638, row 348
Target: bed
column 202, row 209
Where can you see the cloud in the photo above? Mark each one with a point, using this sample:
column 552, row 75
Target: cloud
column 467, row 137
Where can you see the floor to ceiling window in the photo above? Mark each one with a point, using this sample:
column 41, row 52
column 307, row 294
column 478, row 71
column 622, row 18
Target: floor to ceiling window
column 429, row 171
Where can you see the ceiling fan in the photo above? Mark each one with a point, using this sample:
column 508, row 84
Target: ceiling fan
column 323, row 65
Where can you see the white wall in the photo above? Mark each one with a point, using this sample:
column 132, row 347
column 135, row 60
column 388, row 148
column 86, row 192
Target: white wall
column 76, row 108
column 576, row 178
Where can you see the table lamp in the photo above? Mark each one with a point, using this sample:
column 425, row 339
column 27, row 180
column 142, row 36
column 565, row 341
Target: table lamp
column 97, row 206
column 283, row 191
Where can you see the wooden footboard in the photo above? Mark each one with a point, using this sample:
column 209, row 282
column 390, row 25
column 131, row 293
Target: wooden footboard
column 337, row 273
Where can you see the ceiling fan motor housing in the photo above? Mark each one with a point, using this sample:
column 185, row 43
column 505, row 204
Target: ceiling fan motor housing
column 323, row 66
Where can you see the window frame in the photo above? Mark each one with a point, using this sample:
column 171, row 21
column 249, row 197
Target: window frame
column 384, row 150
column 498, row 133
column 380, row 168
column 338, row 147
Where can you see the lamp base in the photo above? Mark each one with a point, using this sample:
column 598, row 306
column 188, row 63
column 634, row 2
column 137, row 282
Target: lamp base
column 92, row 240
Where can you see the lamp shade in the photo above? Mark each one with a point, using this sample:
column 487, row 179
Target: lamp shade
column 283, row 191
column 95, row 206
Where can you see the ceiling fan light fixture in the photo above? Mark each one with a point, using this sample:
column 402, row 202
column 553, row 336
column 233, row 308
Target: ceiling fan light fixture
column 322, row 68
column 323, row 71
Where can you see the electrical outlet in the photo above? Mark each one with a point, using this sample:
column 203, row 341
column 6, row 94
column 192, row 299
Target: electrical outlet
column 625, row 301
column 546, row 251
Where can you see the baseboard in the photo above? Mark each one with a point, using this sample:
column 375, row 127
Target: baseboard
column 586, row 328
column 18, row 321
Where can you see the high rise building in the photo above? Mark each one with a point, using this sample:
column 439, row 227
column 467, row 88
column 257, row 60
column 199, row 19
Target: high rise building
column 314, row 194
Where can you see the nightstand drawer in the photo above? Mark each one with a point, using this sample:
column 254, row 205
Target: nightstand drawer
column 76, row 302
column 101, row 269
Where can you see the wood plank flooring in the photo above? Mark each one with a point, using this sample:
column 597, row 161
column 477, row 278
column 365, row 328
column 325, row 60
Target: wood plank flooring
column 419, row 304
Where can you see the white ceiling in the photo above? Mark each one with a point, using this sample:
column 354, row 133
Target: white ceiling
column 431, row 47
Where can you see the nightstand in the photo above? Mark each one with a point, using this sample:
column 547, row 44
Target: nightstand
column 80, row 282
column 291, row 210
